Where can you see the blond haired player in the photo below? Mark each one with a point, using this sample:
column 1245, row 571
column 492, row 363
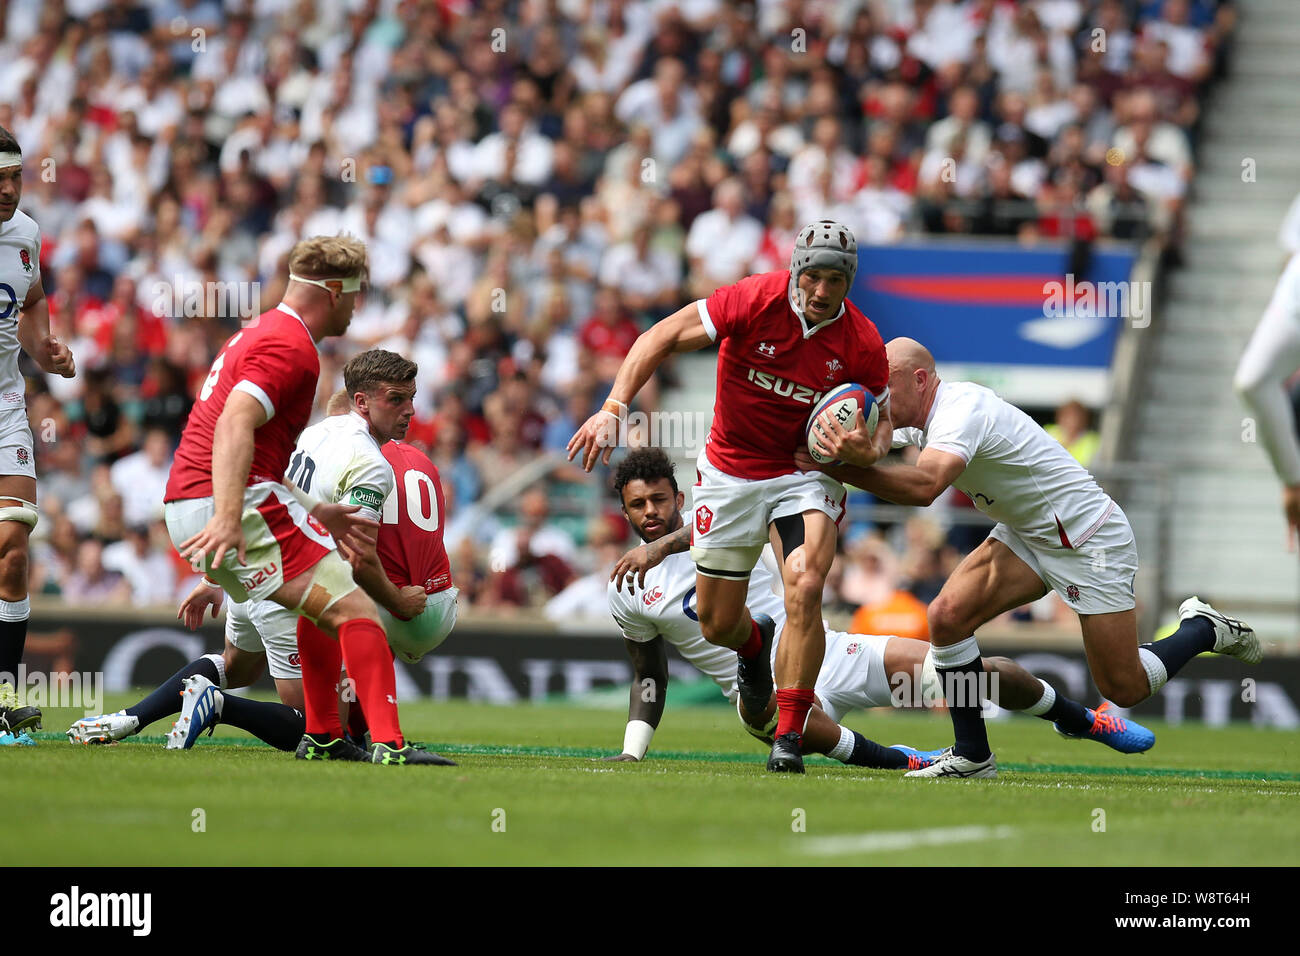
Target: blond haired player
column 345, row 458
column 227, row 505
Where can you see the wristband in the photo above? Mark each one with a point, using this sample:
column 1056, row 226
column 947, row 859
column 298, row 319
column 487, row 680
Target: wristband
column 618, row 409
column 636, row 739
column 209, row 582
column 305, row 498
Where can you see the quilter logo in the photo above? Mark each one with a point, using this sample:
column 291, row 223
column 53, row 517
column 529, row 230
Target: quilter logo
column 78, row 909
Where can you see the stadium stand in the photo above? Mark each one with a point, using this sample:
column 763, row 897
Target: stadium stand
column 539, row 180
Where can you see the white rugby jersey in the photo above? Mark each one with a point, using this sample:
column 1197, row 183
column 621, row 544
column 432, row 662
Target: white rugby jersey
column 1015, row 473
column 338, row 460
column 1286, row 294
column 666, row 606
column 1269, row 357
column 20, row 269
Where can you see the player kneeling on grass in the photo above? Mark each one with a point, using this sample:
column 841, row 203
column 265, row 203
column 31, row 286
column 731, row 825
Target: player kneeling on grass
column 1056, row 529
column 859, row 671
column 353, row 457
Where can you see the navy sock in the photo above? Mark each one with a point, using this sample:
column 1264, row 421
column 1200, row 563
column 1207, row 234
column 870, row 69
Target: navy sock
column 962, row 691
column 1070, row 714
column 1194, row 636
column 166, row 700
column 868, row 753
column 278, row 724
column 13, row 636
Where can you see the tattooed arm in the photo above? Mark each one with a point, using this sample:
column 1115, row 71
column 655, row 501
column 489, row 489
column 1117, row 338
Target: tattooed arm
column 634, row 565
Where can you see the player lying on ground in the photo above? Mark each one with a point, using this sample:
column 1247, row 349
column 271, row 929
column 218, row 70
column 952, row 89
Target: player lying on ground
column 26, row 328
column 1271, row 357
column 784, row 339
column 1056, row 529
column 407, row 572
column 859, row 670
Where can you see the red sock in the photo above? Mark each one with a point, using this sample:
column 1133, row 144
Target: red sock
column 370, row 665
column 321, row 660
column 794, row 704
column 356, row 720
column 752, row 646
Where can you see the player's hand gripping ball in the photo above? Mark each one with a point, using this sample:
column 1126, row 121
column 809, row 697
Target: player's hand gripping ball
column 844, row 403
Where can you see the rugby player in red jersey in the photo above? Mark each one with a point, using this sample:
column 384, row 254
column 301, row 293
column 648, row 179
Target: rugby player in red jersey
column 407, row 573
column 412, row 552
column 785, row 338
column 227, row 507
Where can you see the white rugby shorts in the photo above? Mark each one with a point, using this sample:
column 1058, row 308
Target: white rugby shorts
column 281, row 540
column 1096, row 577
column 853, row 673
column 732, row 514
column 264, row 627
column 17, row 450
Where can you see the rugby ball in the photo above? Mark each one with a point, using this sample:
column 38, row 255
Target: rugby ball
column 844, row 403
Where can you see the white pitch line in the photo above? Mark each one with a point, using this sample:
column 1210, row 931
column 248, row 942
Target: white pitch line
column 901, row 839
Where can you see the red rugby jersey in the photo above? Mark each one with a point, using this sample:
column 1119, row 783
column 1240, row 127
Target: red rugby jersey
column 274, row 359
column 410, row 539
column 770, row 373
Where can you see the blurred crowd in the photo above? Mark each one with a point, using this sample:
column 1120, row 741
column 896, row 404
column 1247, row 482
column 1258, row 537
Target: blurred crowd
column 537, row 181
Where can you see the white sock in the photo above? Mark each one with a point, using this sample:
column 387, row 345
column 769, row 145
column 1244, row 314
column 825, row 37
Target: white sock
column 1155, row 668
column 1044, row 703
column 15, row 610
column 956, row 655
column 843, row 750
column 220, row 663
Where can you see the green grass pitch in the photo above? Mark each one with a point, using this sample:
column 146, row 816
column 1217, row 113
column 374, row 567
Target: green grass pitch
column 528, row 791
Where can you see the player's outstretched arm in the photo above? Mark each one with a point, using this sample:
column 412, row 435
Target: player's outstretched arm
column 647, row 698
column 918, row 484
column 634, row 565
column 683, row 331
column 232, row 457
column 35, row 338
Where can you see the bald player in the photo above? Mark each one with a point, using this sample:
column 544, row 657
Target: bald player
column 1056, row 530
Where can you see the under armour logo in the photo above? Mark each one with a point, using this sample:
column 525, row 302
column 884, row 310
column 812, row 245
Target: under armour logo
column 768, row 350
